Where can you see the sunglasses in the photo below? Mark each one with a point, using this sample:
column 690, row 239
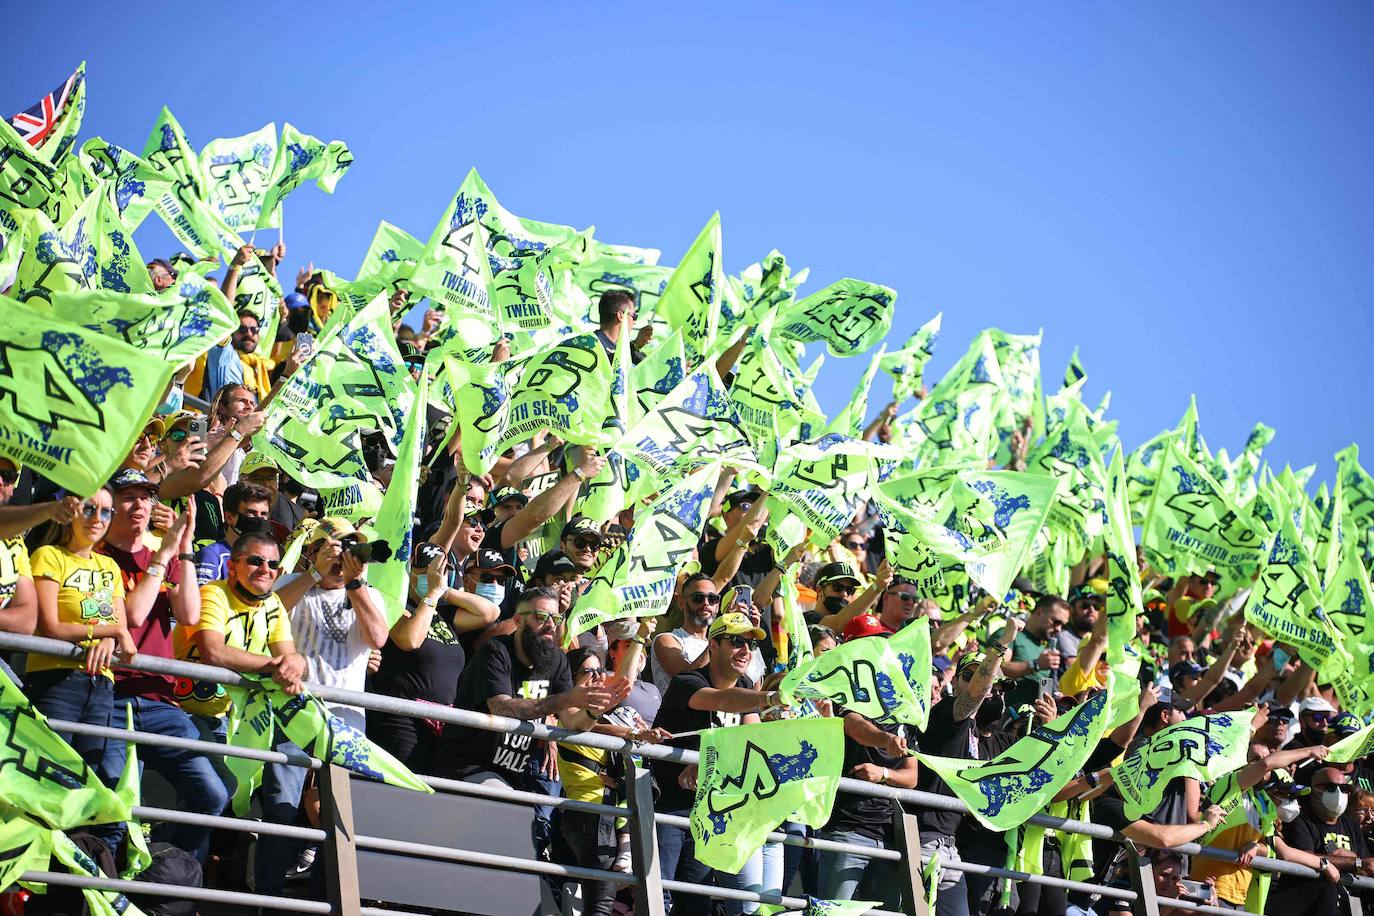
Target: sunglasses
column 474, row 521
column 844, row 589
column 737, row 642
column 248, row 329
column 89, row 511
column 9, row 478
column 590, row 669
column 904, row 597
column 256, row 561
column 490, row 578
column 855, row 545
column 1320, row 716
column 967, row 673
column 543, row 617
column 704, row 598
column 178, row 435
column 582, row 543
column 1344, row 788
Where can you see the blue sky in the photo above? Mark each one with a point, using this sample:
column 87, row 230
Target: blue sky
column 1181, row 190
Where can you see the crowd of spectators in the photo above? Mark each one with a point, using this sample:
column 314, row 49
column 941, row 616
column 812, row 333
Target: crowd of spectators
column 181, row 556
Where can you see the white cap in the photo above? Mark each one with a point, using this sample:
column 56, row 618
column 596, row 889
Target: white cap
column 1315, row 704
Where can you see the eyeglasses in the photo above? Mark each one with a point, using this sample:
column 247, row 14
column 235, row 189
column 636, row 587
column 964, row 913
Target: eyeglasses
column 582, row 543
column 9, row 478
column 256, row 561
column 248, row 329
column 543, row 617
column 1344, row 788
column 489, row 578
column 90, row 510
column 843, row 589
column 737, row 642
column 904, row 597
column 704, row 598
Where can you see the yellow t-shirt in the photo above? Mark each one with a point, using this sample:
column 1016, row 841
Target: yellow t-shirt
column 1075, row 680
column 580, row 782
column 250, row 627
column 88, row 588
column 14, row 565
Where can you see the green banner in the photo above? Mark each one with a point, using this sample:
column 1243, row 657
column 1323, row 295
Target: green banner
column 132, row 183
column 78, row 425
column 1285, row 601
column 1003, row 793
column 753, row 777
column 24, row 846
column 390, row 260
column 912, row 645
column 695, row 295
column 694, row 425
column 43, row 776
column 130, row 791
column 791, row 638
column 91, row 250
column 237, row 173
column 249, row 725
column 27, row 181
column 850, row 316
column 482, row 397
column 300, row 158
column 177, row 325
column 182, row 205
column 567, row 389
column 824, row 483
column 1124, row 600
column 865, row 676
column 395, row 518
column 907, row 365
column 355, row 500
column 1070, row 454
column 638, row 578
column 1202, row 747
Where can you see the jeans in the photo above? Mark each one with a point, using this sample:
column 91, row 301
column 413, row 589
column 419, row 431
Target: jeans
column 199, row 788
column 677, row 859
column 953, row 893
column 76, row 696
column 592, row 838
column 841, row 874
column 280, row 797
column 762, row 874
column 798, row 859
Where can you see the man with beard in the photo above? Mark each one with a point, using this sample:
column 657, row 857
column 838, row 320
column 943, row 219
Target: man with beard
column 1326, row 837
column 246, row 507
column 684, row 649
column 1084, row 607
column 1314, row 715
column 521, row 676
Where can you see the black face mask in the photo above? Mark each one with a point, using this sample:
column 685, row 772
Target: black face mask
column 298, row 320
column 292, row 487
column 993, row 708
column 835, row 603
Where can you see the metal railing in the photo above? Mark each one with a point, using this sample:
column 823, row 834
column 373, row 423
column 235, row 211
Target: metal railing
column 341, row 843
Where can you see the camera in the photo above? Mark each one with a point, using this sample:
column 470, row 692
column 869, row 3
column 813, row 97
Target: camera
column 367, row 551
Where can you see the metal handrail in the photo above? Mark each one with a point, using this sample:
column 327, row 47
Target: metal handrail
column 397, row 706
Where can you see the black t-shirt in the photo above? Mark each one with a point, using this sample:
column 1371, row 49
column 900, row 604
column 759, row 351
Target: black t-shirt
column 491, row 540
column 944, row 737
column 431, row 672
column 496, row 670
column 675, row 715
column 977, row 843
column 1292, row 895
column 871, row 817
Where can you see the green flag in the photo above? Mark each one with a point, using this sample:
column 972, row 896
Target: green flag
column 849, row 315
column 912, row 645
column 249, row 724
column 1352, row 747
column 72, row 401
column 1202, row 747
column 1070, row 454
column 791, row 638
column 566, row 388
column 638, row 578
column 355, row 500
column 907, row 365
column 24, row 846
column 753, row 777
column 390, row 260
column 817, row 907
column 132, row 183
column 395, row 519
column 694, row 297
column 824, row 483
column 237, row 173
column 694, row 425
column 865, row 676
column 764, row 397
column 1286, row 599
column 851, row 419
column 177, row 325
column 353, row 381
column 956, row 422
column 43, row 776
column 91, row 250
column 481, row 394
column 98, row 903
column 1349, row 603
column 1004, row 792
column 299, row 158
column 129, row 789
column 1192, row 525
column 1124, row 601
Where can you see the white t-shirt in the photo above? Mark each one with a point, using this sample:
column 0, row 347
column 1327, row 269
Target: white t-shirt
column 692, row 646
column 325, row 630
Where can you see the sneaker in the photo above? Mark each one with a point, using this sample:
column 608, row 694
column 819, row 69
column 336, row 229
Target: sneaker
column 622, row 862
column 305, row 862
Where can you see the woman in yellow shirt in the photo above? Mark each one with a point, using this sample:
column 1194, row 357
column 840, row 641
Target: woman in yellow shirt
column 81, row 600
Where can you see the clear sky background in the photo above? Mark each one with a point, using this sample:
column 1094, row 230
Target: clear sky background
column 1183, row 191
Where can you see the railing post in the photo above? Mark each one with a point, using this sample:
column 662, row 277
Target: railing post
column 341, row 855
column 648, row 892
column 1142, row 881
column 907, row 840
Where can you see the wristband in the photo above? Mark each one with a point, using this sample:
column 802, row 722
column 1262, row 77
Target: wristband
column 235, row 435
column 742, row 543
column 315, row 574
column 354, row 585
column 428, row 602
column 90, row 632
column 188, row 557
column 886, row 774
column 579, row 473
column 156, row 569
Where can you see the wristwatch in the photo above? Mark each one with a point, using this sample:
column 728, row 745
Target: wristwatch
column 1092, row 779
column 354, row 585
column 1322, row 863
column 188, row 557
column 235, row 435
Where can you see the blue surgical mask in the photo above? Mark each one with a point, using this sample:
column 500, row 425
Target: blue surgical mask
column 173, row 402
column 422, row 584
column 494, row 592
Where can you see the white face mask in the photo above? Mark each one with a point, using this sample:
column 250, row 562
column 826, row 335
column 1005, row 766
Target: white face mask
column 1334, row 802
column 494, row 592
column 1289, row 809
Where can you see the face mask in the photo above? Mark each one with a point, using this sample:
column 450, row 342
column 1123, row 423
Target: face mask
column 1289, row 809
column 991, row 710
column 422, row 584
column 173, row 402
column 1334, row 802
column 835, row 603
column 492, row 591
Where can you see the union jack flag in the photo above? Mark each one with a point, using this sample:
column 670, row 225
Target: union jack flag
column 36, row 123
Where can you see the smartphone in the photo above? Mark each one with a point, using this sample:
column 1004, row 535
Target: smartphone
column 305, row 342
column 1280, row 658
column 1196, row 891
column 197, row 428
column 744, row 599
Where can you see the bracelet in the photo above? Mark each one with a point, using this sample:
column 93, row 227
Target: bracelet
column 742, row 543
column 315, row 574
column 90, row 632
column 428, row 602
column 354, row 585
column 579, row 473
column 886, row 773
column 156, row 569
column 188, row 557
column 235, row 435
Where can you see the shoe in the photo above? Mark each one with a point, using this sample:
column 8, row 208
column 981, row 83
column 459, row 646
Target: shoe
column 305, row 863
column 622, row 862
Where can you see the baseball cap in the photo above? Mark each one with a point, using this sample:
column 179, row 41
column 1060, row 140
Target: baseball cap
column 1347, row 723
column 132, row 477
column 742, row 496
column 332, row 527
column 973, row 659
column 834, row 572
column 492, row 560
column 1185, row 668
column 256, row 461
column 1079, row 592
column 1280, row 786
column 157, row 425
column 485, row 516
column 553, row 563
column 734, row 624
column 1280, row 711
column 296, row 301
column 1315, row 704
column 1170, row 697
column 864, row 625
column 505, row 494
column 581, row 525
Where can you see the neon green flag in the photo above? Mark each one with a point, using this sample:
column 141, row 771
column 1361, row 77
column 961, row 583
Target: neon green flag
column 1352, row 747
column 177, row 325
column 956, row 422
column 390, row 260
column 817, row 907
column 249, row 725
column 907, row 365
column 605, row 270
column 99, row 903
column 1124, row 601
column 299, row 158
column 80, row 423
column 43, row 776
column 824, row 483
column 1286, row 599
column 131, row 182
column 24, row 846
column 129, row 789
column 791, row 638
column 1349, row 602
column 638, row 578
column 355, row 500
column 27, row 180
column 237, row 173
column 91, row 250
column 912, row 645
column 694, row 297
column 694, row 425
column 354, row 380
column 849, row 315
column 394, row 519
column 864, row 676
column 753, row 777
column 764, row 398
column 1070, row 454
column 566, row 388
column 1003, row 793
column 852, row 418
column 453, row 270
column 1192, row 525
column 1203, row 747
column 481, row 394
